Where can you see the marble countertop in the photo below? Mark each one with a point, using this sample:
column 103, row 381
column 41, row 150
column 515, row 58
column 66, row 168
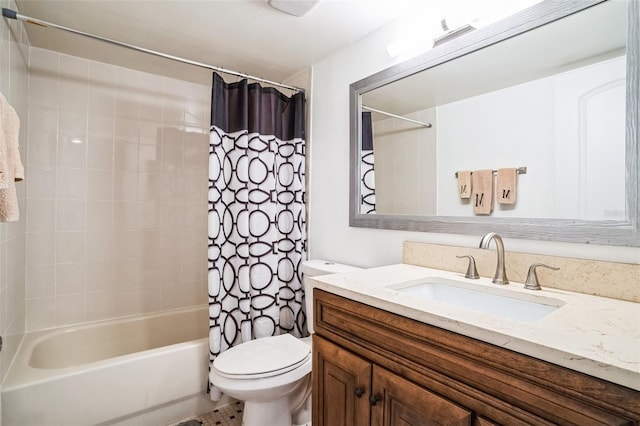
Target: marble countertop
column 594, row 335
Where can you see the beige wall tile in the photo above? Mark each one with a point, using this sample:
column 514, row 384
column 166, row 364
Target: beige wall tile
column 14, row 86
column 43, row 149
column 99, row 246
column 72, row 151
column 69, row 247
column 41, row 313
column 70, row 215
column 41, row 214
column 69, row 309
column 100, row 277
column 120, row 216
column 99, row 215
column 100, row 153
column 71, row 184
column 99, row 185
column 101, row 100
column 100, row 126
column 70, row 278
column 42, row 281
column 40, row 248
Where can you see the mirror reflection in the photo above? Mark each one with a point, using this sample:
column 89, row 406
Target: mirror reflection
column 551, row 99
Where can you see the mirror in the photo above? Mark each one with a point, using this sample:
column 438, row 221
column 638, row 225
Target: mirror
column 551, row 92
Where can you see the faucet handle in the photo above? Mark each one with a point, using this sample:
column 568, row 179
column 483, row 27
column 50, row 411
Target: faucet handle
column 532, row 277
column 472, row 272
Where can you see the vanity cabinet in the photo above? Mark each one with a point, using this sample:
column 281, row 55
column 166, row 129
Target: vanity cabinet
column 373, row 367
column 353, row 391
column 341, row 385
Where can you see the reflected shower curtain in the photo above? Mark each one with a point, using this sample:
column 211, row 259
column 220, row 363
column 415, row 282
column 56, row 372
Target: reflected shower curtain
column 257, row 234
column 367, row 166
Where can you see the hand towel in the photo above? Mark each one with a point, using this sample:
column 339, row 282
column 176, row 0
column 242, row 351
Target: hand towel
column 506, row 185
column 4, row 148
column 464, row 183
column 11, row 168
column 482, row 191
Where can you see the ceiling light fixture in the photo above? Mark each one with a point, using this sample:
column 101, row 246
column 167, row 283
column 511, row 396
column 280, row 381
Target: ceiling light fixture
column 421, row 32
column 295, row 7
column 451, row 34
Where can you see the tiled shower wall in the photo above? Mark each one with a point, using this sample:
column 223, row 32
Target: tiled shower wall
column 14, row 54
column 117, row 192
column 405, row 165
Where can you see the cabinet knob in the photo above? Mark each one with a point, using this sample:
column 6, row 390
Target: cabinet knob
column 359, row 392
column 373, row 400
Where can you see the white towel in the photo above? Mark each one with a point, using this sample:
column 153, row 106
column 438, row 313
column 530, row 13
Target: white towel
column 11, row 168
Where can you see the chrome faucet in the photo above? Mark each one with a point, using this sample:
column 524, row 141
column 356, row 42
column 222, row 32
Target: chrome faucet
column 501, row 272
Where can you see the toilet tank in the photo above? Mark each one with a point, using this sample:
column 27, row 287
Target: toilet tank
column 315, row 267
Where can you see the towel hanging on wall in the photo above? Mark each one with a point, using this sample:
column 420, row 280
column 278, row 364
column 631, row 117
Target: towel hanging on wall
column 464, row 184
column 506, row 185
column 11, row 168
column 482, row 191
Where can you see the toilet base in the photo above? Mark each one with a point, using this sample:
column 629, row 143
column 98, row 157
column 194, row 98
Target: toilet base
column 274, row 413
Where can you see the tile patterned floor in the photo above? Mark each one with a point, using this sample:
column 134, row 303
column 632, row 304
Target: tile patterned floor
column 227, row 415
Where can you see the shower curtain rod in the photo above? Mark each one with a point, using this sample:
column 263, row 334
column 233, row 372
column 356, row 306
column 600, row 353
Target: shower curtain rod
column 12, row 14
column 399, row 117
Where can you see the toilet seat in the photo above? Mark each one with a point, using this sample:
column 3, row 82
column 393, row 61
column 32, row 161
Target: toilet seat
column 277, row 355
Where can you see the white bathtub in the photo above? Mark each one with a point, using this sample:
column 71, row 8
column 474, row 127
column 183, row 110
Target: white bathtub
column 146, row 370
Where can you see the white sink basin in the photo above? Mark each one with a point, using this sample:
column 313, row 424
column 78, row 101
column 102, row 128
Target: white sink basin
column 495, row 301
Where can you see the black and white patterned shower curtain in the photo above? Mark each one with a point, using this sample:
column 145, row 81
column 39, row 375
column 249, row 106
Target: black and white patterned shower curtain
column 367, row 166
column 257, row 232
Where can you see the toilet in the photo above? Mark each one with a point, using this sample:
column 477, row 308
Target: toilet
column 272, row 375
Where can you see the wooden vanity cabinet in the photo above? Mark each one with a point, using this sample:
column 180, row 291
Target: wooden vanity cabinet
column 353, row 391
column 372, row 367
column 341, row 385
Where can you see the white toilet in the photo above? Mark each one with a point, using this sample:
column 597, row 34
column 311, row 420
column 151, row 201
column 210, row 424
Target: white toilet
column 272, row 375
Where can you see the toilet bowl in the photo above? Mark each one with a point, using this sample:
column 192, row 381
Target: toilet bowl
column 272, row 375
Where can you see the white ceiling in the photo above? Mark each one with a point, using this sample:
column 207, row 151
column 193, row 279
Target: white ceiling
column 242, row 35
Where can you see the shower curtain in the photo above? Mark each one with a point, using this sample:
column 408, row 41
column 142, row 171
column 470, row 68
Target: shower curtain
column 257, row 234
column 367, row 166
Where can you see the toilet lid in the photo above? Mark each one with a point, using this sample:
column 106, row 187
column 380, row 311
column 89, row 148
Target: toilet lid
column 263, row 357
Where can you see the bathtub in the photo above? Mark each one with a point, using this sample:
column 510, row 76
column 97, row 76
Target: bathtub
column 143, row 370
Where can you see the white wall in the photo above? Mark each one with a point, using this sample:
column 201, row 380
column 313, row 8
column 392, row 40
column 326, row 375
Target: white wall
column 508, row 128
column 330, row 235
column 544, row 125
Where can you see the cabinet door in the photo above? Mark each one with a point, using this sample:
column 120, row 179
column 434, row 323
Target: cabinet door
column 341, row 386
column 398, row 402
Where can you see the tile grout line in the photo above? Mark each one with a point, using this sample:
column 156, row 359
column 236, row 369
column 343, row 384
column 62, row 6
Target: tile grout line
column 227, row 415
